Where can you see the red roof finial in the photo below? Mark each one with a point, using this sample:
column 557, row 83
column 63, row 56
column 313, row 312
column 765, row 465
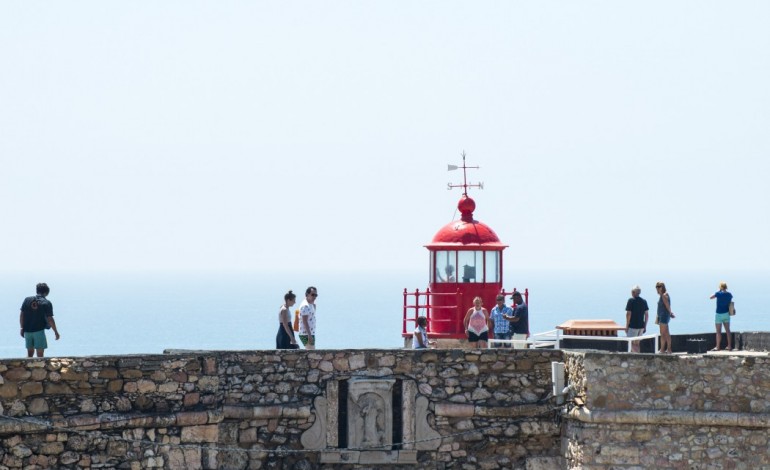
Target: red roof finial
column 466, row 206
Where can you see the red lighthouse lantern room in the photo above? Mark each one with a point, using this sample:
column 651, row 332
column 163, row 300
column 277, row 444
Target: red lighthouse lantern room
column 466, row 260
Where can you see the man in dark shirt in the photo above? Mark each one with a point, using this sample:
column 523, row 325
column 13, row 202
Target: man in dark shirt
column 636, row 316
column 36, row 313
column 519, row 321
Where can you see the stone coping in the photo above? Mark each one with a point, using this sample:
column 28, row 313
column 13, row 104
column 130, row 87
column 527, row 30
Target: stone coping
column 370, row 457
column 110, row 421
column 672, row 417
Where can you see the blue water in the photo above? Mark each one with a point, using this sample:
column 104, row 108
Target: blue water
column 132, row 313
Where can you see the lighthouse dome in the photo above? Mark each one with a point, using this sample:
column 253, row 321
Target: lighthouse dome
column 465, row 231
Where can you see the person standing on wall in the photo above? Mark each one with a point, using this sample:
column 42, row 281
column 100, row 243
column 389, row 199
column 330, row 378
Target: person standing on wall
column 476, row 323
column 637, row 314
column 35, row 317
column 500, row 326
column 285, row 337
column 307, row 318
column 665, row 314
column 520, row 321
column 724, row 299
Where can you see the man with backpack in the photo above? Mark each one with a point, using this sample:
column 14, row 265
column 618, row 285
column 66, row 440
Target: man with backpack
column 36, row 316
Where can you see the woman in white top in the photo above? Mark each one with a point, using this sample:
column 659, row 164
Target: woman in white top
column 477, row 324
column 420, row 340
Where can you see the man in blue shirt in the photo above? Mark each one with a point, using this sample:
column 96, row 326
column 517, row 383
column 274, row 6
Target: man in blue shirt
column 501, row 326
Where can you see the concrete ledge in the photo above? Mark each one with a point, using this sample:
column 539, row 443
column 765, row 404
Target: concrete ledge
column 265, row 412
column 370, row 457
column 670, row 417
column 454, row 410
column 111, row 421
column 460, row 410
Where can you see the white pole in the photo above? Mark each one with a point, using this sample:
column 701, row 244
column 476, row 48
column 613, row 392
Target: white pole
column 557, row 378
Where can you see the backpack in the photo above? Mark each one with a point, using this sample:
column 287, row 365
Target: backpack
column 35, row 305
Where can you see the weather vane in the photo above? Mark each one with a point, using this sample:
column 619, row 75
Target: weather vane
column 465, row 184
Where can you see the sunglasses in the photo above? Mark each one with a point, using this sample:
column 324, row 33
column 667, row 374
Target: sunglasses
column 313, row 295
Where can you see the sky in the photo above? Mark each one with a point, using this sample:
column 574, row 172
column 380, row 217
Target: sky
column 289, row 135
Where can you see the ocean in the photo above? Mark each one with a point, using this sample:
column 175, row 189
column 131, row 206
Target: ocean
column 101, row 313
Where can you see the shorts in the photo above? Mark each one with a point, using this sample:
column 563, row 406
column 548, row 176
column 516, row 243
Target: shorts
column 505, row 336
column 473, row 337
column 634, row 332
column 306, row 338
column 520, row 337
column 722, row 318
column 35, row 339
column 664, row 318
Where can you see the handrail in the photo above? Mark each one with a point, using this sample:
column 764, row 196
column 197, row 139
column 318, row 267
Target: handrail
column 427, row 306
column 555, row 337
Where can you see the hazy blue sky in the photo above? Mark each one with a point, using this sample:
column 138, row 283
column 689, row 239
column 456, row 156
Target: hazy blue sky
column 296, row 135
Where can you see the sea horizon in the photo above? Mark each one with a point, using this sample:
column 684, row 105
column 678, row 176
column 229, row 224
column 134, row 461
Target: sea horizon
column 146, row 312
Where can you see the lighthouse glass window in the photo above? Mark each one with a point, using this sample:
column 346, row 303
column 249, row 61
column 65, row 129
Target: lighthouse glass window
column 471, row 266
column 445, row 267
column 492, row 266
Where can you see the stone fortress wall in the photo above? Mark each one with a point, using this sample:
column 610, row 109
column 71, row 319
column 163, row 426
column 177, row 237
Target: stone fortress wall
column 281, row 410
column 682, row 412
column 437, row 409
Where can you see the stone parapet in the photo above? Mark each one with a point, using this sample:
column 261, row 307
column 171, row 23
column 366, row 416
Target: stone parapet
column 642, row 411
column 248, row 409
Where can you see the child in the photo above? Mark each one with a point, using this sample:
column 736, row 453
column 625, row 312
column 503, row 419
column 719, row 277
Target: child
column 420, row 340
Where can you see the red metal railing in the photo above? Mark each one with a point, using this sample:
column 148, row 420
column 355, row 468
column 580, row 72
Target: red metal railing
column 525, row 294
column 429, row 307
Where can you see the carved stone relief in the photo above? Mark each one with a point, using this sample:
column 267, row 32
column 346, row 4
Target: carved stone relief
column 370, row 421
column 427, row 438
column 315, row 437
column 370, row 413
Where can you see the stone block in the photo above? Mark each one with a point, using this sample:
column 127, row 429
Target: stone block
column 72, row 375
column 69, row 457
column 191, row 418
column 191, row 399
column 131, row 373
column 209, row 366
column 357, row 361
column 52, row 448
column 208, row 383
column 17, row 374
column 38, row 406
column 200, row 434
column 146, row 386
column 454, row 410
column 31, row 388
column 375, row 457
column 168, row 387
column 545, row 463
column 9, row 390
column 264, row 412
column 342, row 456
column 179, row 376
column 248, row 436
column 108, row 373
